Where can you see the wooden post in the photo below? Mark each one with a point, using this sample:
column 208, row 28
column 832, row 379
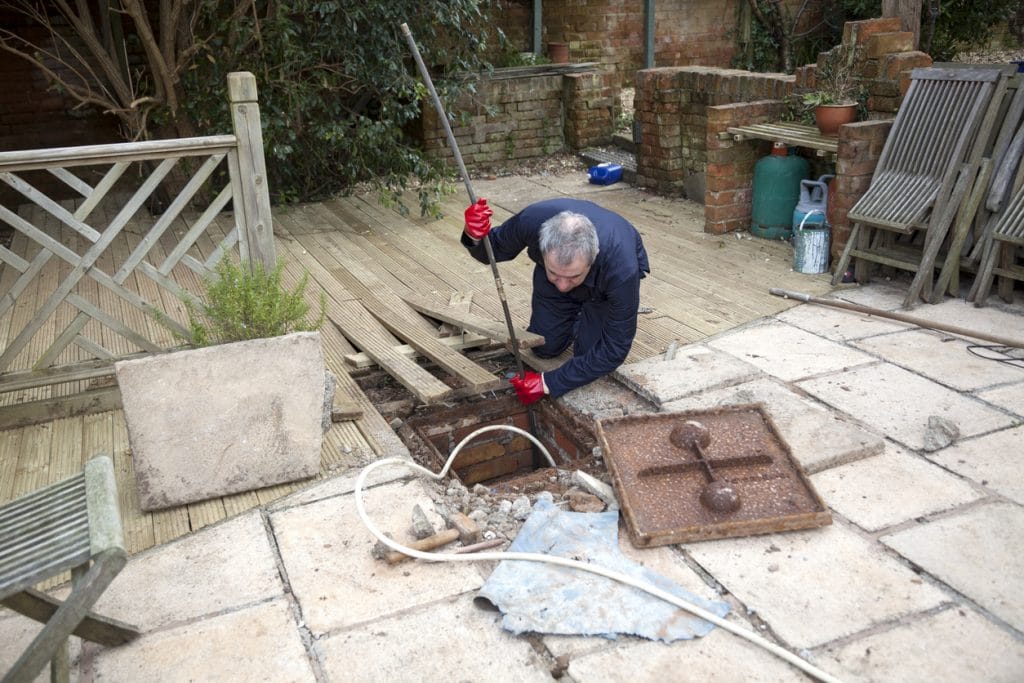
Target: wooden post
column 249, row 176
column 909, row 12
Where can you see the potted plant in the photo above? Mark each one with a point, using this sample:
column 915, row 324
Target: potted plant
column 838, row 92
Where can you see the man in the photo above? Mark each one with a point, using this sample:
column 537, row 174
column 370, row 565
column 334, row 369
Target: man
column 586, row 285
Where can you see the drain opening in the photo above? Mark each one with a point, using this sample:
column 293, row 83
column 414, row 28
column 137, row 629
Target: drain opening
column 500, row 457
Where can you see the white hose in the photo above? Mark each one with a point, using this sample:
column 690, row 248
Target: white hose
column 561, row 561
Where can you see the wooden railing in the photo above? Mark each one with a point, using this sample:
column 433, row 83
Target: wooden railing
column 88, row 281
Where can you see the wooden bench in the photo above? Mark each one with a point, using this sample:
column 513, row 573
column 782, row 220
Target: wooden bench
column 72, row 525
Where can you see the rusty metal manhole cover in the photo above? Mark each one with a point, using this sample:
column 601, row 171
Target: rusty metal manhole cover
column 706, row 474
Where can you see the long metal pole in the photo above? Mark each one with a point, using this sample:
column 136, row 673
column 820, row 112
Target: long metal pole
column 909, row 319
column 454, row 145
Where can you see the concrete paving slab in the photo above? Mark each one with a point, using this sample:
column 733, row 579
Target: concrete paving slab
column 788, row 352
column 818, row 438
column 260, row 643
column 340, row 485
column 664, row 560
column 605, row 398
column 694, row 368
column 17, row 632
column 837, row 324
column 878, row 294
column 957, row 644
column 446, row 641
column 332, row 574
column 719, row 656
column 977, row 552
column 994, row 461
column 891, row 488
column 227, row 418
column 990, row 319
column 815, row 586
column 222, row 567
column 941, row 357
column 1009, row 397
column 898, row 403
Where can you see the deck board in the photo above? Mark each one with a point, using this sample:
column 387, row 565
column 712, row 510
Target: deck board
column 700, row 285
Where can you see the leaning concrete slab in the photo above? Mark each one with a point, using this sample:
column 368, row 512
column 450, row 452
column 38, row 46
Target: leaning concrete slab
column 995, row 461
column 957, row 644
column 332, row 574
column 443, row 642
column 223, row 419
column 260, row 643
column 942, row 358
column 894, row 487
column 898, row 403
column 977, row 552
column 812, row 587
column 694, row 368
column 818, row 438
column 788, row 352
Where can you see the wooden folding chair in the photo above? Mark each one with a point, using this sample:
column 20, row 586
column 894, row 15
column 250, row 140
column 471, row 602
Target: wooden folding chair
column 1000, row 254
column 929, row 163
column 74, row 524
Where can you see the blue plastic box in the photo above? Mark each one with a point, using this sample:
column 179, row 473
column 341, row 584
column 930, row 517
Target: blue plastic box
column 605, row 173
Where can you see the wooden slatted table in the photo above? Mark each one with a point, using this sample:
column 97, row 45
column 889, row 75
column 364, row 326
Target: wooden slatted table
column 790, row 132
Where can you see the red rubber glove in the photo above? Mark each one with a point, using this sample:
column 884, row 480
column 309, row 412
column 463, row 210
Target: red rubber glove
column 478, row 219
column 529, row 388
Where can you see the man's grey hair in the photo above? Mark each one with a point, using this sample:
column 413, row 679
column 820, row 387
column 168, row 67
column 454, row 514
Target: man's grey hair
column 568, row 235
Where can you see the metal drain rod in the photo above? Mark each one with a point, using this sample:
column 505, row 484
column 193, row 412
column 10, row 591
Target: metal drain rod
column 454, row 145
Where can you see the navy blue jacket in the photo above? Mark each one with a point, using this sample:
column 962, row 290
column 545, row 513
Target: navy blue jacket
column 600, row 314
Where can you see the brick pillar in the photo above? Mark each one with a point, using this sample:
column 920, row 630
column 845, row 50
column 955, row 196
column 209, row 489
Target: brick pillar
column 589, row 105
column 730, row 170
column 860, row 146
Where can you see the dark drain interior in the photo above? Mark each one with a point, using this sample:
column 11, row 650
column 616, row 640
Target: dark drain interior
column 498, row 456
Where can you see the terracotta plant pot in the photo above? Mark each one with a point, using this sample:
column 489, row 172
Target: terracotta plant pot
column 829, row 117
column 558, row 52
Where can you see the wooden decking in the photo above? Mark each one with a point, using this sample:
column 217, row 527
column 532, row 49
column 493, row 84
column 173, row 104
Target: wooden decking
column 700, row 285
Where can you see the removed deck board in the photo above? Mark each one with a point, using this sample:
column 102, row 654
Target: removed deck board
column 463, row 341
column 489, row 328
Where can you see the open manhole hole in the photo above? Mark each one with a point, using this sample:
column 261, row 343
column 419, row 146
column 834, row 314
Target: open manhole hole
column 500, row 458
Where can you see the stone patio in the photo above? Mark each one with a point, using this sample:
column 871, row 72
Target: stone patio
column 918, row 578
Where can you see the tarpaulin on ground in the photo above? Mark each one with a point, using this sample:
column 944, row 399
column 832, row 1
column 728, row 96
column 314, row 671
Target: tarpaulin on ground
column 545, row 598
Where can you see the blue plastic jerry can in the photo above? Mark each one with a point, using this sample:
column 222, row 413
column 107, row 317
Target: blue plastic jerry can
column 605, row 173
column 813, row 202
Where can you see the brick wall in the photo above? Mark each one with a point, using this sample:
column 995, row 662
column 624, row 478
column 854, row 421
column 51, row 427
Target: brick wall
column 684, row 114
column 672, row 108
column 522, row 114
column 611, row 32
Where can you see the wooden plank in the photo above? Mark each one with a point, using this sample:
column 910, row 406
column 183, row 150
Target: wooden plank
column 10, row 452
column 364, row 331
column 459, row 343
column 344, row 409
column 475, row 377
column 94, row 155
column 474, row 323
column 34, row 461
column 137, row 525
column 66, row 449
column 58, row 407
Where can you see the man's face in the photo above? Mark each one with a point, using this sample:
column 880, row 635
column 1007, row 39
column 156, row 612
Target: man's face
column 565, row 278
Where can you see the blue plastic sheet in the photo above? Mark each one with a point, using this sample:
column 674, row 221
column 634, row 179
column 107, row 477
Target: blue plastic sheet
column 545, row 598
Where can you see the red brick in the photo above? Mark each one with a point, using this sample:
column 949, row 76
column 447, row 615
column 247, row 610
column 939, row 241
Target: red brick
column 858, row 32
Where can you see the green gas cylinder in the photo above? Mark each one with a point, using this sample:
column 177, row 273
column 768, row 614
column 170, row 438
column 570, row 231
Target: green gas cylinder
column 776, row 192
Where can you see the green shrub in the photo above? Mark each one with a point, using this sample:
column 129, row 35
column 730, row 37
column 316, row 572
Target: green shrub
column 243, row 304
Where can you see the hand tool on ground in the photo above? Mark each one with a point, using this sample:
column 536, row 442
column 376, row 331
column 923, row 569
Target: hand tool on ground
column 454, row 145
column 909, row 319
column 463, row 529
